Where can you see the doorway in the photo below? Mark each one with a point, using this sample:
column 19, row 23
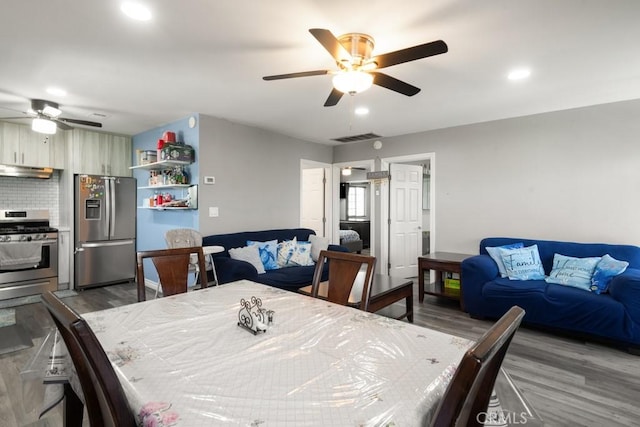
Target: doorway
column 396, row 264
column 354, row 206
column 315, row 197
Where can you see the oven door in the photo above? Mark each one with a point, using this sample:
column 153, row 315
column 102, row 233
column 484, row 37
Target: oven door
column 47, row 267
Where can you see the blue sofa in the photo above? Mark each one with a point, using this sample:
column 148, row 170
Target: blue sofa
column 290, row 278
column 613, row 317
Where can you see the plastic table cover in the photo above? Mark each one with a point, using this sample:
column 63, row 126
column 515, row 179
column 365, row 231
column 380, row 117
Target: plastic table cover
column 184, row 361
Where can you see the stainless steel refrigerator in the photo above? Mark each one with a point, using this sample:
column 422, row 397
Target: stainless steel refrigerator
column 105, row 230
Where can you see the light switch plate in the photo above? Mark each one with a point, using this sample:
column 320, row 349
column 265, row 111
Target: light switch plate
column 209, row 179
column 213, row 212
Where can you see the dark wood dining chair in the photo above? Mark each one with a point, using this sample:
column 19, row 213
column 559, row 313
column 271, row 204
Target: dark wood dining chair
column 347, row 272
column 104, row 397
column 466, row 399
column 172, row 266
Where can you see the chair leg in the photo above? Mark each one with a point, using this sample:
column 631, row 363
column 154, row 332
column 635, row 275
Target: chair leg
column 72, row 409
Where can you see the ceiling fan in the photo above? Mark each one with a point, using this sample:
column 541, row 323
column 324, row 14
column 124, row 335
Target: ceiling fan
column 356, row 73
column 46, row 117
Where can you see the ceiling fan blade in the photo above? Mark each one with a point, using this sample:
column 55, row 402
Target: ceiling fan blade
column 331, row 44
column 80, row 122
column 15, row 118
column 62, row 125
column 333, row 98
column 394, row 84
column 411, row 54
column 293, row 75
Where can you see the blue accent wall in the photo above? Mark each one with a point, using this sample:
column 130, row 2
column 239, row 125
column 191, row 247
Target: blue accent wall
column 152, row 224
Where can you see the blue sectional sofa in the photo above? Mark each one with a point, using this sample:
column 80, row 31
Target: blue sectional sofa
column 613, row 316
column 290, row 278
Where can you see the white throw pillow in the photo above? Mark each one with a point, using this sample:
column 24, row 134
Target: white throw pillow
column 318, row 244
column 251, row 254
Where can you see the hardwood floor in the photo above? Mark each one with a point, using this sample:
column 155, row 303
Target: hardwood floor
column 567, row 381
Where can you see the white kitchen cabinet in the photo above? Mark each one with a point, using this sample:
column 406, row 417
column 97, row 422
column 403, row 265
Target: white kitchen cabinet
column 64, row 257
column 22, row 146
column 96, row 153
column 58, row 149
column 34, row 148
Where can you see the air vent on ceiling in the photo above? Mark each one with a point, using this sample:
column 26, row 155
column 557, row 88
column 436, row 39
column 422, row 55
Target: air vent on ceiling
column 353, row 138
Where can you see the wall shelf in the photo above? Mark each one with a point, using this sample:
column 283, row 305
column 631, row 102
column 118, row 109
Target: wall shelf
column 163, row 164
column 153, row 187
column 167, row 208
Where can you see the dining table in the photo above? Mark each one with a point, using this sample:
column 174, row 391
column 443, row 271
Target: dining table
column 185, row 360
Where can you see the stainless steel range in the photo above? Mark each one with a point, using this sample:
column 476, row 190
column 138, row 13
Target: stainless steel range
column 28, row 253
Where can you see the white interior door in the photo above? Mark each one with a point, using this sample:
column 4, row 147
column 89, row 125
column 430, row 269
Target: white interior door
column 312, row 200
column 405, row 226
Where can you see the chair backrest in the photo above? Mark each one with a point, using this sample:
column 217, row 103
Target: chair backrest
column 172, row 266
column 182, row 238
column 103, row 394
column 467, row 396
column 347, row 272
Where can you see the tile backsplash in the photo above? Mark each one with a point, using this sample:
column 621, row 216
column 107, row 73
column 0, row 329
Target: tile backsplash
column 32, row 193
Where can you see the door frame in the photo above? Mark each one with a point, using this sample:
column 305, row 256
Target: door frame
column 384, row 209
column 370, row 165
column 328, row 200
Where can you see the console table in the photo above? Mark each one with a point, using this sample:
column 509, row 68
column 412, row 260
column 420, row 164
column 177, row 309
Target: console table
column 439, row 262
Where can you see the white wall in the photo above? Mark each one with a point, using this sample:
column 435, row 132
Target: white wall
column 568, row 175
column 257, row 176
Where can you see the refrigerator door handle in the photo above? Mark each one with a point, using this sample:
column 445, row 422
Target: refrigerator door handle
column 104, row 244
column 112, row 202
column 108, row 209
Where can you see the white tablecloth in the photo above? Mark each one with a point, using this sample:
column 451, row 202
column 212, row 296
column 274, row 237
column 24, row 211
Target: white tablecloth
column 183, row 360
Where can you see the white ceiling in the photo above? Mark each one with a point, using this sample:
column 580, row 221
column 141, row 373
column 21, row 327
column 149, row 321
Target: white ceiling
column 209, row 56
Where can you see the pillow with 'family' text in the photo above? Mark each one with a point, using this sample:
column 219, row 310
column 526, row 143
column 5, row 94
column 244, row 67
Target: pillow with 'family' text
column 493, row 253
column 268, row 253
column 522, row 263
column 607, row 269
column 571, row 271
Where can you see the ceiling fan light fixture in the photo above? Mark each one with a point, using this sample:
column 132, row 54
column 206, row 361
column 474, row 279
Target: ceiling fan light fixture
column 51, row 111
column 346, row 171
column 46, row 126
column 352, row 81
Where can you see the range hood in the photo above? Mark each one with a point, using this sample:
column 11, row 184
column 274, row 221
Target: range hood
column 25, row 172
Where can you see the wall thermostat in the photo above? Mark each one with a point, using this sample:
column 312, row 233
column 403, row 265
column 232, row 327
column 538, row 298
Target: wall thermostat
column 209, row 180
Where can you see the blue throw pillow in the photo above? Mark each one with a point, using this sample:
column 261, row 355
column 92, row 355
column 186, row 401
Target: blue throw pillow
column 493, row 253
column 522, row 263
column 607, row 269
column 571, row 271
column 268, row 253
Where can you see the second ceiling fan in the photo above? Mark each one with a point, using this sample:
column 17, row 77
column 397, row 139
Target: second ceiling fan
column 357, row 67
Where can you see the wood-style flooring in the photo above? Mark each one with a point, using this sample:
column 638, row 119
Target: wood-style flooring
column 568, row 382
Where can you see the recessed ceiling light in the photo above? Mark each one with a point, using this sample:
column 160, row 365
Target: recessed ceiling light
column 136, row 11
column 56, row 91
column 361, row 111
column 519, row 74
